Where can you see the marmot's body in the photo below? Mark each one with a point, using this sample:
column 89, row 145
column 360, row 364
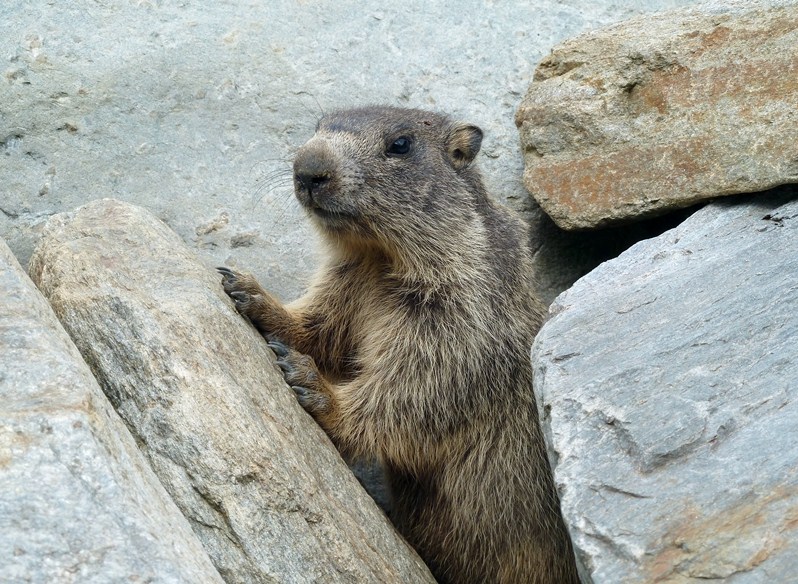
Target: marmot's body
column 420, row 326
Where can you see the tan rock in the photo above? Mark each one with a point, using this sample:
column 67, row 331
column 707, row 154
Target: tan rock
column 259, row 481
column 664, row 111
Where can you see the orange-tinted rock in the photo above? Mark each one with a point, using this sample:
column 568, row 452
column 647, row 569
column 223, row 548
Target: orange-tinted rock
column 662, row 112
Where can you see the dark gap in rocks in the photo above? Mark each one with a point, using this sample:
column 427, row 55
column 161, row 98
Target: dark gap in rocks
column 562, row 257
column 371, row 477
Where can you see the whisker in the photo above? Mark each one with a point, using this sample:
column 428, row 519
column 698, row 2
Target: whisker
column 321, row 113
column 275, row 186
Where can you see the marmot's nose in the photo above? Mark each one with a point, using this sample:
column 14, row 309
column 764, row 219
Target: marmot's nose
column 311, row 182
column 311, row 173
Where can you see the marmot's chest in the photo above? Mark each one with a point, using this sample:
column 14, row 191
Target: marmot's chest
column 406, row 298
column 374, row 299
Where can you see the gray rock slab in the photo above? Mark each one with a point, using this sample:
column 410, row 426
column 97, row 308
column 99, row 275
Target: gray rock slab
column 668, row 382
column 193, row 110
column 261, row 484
column 78, row 502
column 660, row 112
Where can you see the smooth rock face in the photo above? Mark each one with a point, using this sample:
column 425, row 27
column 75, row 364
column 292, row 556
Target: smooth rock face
column 194, row 109
column 668, row 382
column 662, row 111
column 78, row 502
column 259, row 481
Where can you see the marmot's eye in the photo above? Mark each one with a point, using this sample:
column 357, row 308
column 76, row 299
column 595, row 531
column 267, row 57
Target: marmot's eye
column 400, row 146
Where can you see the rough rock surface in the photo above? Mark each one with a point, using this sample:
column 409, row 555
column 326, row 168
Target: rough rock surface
column 260, row 482
column 78, row 502
column 663, row 111
column 193, row 109
column 668, row 381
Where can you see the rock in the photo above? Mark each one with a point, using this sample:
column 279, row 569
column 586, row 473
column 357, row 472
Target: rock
column 261, row 484
column 78, row 502
column 663, row 111
column 668, row 382
column 193, row 110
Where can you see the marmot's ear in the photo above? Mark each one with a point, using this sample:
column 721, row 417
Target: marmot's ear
column 463, row 145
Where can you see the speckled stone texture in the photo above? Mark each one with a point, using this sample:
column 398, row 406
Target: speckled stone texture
column 668, row 383
column 78, row 502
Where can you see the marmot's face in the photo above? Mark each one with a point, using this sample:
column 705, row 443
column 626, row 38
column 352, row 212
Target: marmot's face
column 372, row 171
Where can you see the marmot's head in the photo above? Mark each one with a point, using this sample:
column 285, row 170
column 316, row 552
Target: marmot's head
column 387, row 174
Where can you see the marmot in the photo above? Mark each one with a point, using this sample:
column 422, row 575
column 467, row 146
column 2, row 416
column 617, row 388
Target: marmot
column 412, row 345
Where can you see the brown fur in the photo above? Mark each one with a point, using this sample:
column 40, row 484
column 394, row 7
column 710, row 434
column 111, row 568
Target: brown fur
column 419, row 328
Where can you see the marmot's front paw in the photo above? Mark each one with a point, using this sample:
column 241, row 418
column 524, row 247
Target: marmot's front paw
column 242, row 288
column 301, row 374
column 238, row 282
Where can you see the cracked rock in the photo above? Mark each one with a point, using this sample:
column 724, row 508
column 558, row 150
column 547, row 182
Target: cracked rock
column 668, row 383
column 261, row 484
column 78, row 502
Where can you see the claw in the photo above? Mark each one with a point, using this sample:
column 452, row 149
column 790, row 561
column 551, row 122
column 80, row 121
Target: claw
column 310, row 400
column 301, row 391
column 239, row 297
column 284, row 365
column 279, row 349
column 226, row 272
column 303, row 395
